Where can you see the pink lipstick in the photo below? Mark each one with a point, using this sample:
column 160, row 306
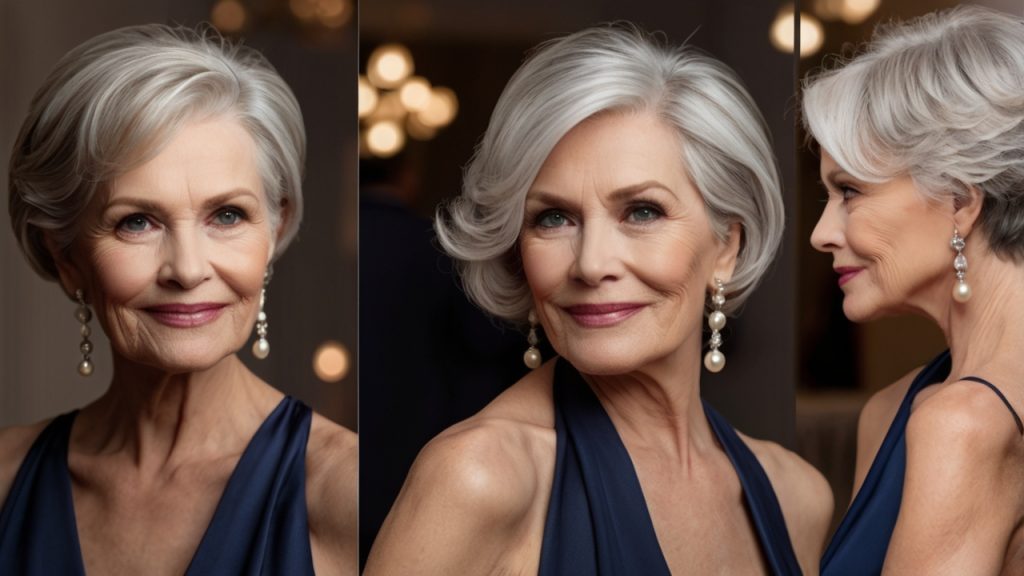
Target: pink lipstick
column 602, row 315
column 846, row 273
column 186, row 315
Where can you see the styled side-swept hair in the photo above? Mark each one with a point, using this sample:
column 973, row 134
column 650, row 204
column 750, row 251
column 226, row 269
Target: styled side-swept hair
column 114, row 101
column 940, row 99
column 725, row 145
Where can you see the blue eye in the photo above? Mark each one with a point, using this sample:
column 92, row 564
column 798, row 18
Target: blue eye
column 644, row 213
column 229, row 217
column 848, row 193
column 136, row 223
column 552, row 219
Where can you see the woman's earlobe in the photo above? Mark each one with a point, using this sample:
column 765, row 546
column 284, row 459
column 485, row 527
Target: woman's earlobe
column 967, row 209
column 729, row 252
column 69, row 276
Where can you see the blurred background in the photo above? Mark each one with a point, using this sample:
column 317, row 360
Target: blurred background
column 840, row 363
column 432, row 72
column 311, row 302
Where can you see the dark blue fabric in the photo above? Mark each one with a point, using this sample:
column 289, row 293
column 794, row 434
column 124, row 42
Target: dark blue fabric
column 598, row 522
column 862, row 538
column 259, row 527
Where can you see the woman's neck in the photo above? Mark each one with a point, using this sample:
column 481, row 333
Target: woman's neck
column 159, row 420
column 987, row 331
column 658, row 406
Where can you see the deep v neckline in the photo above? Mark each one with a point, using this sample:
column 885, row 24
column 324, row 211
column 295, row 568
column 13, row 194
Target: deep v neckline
column 244, row 461
column 598, row 521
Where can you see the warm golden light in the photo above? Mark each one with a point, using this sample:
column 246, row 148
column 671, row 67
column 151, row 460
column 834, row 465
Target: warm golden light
column 385, row 138
column 415, row 93
column 441, row 109
column 367, row 97
column 331, row 361
column 304, row 10
column 857, row 11
column 228, row 16
column 333, row 13
column 389, row 65
column 812, row 35
column 417, row 129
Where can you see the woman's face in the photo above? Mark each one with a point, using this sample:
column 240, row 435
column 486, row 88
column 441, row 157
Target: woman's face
column 172, row 254
column 617, row 248
column 889, row 243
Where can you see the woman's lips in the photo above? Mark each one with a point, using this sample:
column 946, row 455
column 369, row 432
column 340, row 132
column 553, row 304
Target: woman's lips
column 846, row 273
column 600, row 315
column 185, row 315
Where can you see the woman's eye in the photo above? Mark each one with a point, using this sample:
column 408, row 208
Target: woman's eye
column 644, row 214
column 135, row 224
column 848, row 193
column 552, row 219
column 229, row 217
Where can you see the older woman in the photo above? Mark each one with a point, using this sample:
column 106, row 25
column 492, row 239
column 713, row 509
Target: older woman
column 622, row 190
column 922, row 154
column 156, row 178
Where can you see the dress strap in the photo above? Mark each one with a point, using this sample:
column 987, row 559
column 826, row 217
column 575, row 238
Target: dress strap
column 1016, row 418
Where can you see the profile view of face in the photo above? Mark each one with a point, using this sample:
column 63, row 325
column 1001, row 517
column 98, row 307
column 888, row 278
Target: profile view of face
column 172, row 254
column 889, row 243
column 617, row 247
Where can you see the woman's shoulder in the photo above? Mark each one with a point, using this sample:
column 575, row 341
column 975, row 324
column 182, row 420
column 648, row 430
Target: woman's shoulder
column 15, row 442
column 476, row 491
column 804, row 496
column 494, row 458
column 332, row 479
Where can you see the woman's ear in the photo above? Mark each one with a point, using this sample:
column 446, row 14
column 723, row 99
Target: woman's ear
column 967, row 210
column 728, row 253
column 68, row 272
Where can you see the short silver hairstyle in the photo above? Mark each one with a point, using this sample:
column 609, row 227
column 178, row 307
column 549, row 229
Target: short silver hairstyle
column 725, row 147
column 940, row 99
column 114, row 101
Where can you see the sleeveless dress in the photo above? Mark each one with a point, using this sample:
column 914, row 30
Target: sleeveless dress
column 259, row 526
column 862, row 538
column 597, row 521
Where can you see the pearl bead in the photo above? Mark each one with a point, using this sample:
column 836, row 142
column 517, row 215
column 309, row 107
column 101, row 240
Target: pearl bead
column 261, row 348
column 85, row 331
column 532, row 358
column 714, row 361
column 85, row 368
column 83, row 314
column 716, row 320
column 962, row 292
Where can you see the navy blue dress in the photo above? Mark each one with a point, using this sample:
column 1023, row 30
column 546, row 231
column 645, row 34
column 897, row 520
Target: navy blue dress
column 259, row 526
column 862, row 538
column 597, row 521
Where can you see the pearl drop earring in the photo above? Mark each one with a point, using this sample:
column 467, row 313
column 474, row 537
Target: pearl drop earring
column 84, row 315
column 261, row 347
column 532, row 357
column 714, row 360
column 962, row 290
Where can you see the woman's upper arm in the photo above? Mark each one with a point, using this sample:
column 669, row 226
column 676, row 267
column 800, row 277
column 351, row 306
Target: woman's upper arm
column 961, row 492
column 332, row 467
column 463, row 504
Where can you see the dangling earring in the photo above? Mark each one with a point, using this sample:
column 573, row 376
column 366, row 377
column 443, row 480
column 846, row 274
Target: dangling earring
column 962, row 290
column 84, row 315
column 261, row 348
column 714, row 360
column 532, row 355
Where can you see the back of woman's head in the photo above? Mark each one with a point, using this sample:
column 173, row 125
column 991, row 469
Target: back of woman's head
column 110, row 105
column 939, row 98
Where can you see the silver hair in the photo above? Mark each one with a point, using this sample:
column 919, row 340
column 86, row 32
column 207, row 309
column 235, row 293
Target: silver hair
column 114, row 101
column 940, row 99
column 725, row 147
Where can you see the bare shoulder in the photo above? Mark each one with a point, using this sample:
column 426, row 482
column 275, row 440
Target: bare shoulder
column 332, row 479
column 473, row 491
column 15, row 443
column 965, row 420
column 804, row 496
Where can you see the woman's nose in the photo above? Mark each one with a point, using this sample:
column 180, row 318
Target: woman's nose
column 829, row 232
column 598, row 254
column 186, row 264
